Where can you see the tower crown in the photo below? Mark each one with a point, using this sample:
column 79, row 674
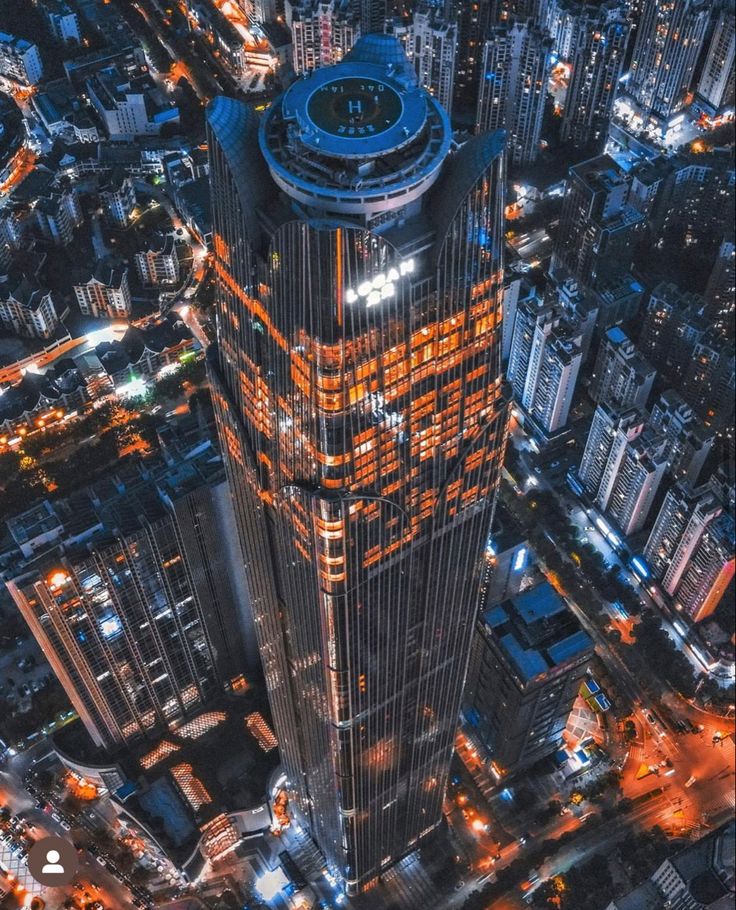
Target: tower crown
column 361, row 137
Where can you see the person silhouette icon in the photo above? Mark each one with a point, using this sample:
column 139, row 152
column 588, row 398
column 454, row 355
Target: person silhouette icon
column 53, row 866
column 53, row 861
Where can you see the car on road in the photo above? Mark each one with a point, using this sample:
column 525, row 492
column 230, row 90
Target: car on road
column 459, row 886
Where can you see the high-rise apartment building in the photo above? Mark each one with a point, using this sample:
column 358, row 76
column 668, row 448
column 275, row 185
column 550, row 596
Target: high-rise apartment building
column 562, row 20
column 513, row 86
column 691, row 548
column 608, row 436
column 473, row 23
column 371, row 15
column 431, row 47
column 12, row 229
column 598, row 229
column 668, row 42
column 362, row 411
column 544, row 363
column 720, row 294
column 689, row 442
column 618, row 299
column 322, row 32
column 516, row 290
column 118, row 197
column 136, row 615
column 622, row 466
column 580, row 308
column 636, row 483
column 710, row 572
column 621, row 378
column 507, row 10
column 685, row 514
column 694, row 200
column 710, row 381
column 598, row 38
column 716, row 86
column 528, row 661
column 672, row 325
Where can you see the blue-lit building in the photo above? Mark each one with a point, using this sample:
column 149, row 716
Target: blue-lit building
column 528, row 660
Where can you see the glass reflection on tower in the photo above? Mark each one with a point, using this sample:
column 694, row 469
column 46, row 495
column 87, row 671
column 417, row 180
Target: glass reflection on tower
column 361, row 406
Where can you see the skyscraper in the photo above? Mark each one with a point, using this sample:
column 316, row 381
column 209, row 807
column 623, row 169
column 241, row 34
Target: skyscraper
column 716, row 85
column 623, row 466
column 136, row 616
column 513, row 86
column 720, row 294
column 544, row 364
column 432, row 45
column 363, row 416
column 473, row 20
column 322, row 32
column 669, row 39
column 621, row 378
column 689, row 442
column 598, row 37
column 598, row 229
column 691, row 548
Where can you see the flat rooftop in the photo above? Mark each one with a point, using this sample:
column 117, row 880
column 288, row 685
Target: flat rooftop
column 536, row 631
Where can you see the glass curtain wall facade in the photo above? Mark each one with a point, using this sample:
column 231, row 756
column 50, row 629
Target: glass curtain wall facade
column 359, row 395
column 124, row 631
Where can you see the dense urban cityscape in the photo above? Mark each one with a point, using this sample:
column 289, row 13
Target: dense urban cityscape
column 367, row 458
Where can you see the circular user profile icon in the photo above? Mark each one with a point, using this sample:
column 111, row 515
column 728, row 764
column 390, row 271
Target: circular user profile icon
column 53, row 862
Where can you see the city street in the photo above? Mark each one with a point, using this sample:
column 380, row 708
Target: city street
column 690, row 787
column 93, row 877
column 588, row 523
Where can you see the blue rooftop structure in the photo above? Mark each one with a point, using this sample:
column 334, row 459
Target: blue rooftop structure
column 617, row 335
column 536, row 632
column 529, row 663
column 577, row 643
column 541, row 602
column 496, row 616
column 381, row 50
